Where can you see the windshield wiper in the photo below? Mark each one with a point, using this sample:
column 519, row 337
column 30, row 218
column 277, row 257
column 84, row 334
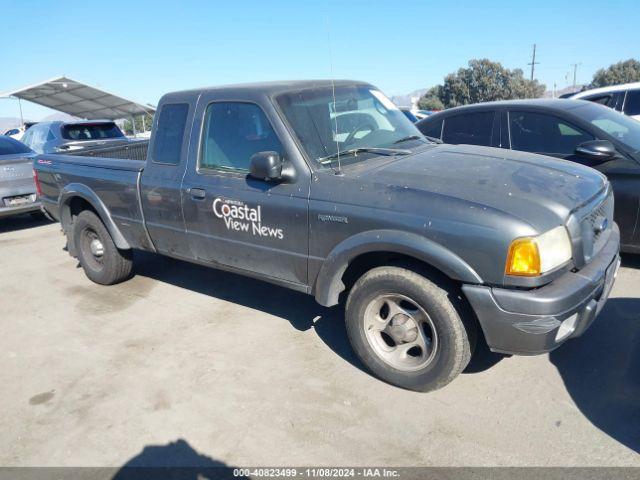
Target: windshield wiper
column 356, row 151
column 417, row 137
column 406, row 139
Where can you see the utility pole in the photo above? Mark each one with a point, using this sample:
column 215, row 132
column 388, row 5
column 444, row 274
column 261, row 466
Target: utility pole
column 575, row 73
column 533, row 62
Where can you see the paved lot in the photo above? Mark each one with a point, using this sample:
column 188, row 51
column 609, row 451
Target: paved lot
column 185, row 365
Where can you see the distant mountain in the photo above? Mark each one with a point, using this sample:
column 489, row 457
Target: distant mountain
column 65, row 117
column 562, row 91
column 405, row 100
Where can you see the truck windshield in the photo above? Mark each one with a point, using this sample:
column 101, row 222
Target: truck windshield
column 357, row 121
column 91, row 131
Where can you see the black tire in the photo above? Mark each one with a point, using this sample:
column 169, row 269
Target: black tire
column 453, row 327
column 113, row 265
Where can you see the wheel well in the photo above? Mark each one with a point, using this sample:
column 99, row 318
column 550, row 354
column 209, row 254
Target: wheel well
column 365, row 262
column 77, row 205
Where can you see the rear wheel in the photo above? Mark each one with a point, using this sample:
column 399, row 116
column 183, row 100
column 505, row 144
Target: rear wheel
column 408, row 330
column 101, row 260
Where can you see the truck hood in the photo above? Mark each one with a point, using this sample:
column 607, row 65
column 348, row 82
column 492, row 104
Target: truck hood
column 540, row 190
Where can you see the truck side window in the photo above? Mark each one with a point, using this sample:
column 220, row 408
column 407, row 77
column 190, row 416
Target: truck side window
column 233, row 132
column 470, row 129
column 540, row 133
column 167, row 144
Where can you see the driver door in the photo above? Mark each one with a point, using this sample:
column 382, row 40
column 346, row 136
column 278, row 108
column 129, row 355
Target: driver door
column 232, row 219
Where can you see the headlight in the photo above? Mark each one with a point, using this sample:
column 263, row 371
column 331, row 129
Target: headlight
column 533, row 256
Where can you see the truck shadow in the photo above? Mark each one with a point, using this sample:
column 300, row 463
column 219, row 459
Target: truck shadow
column 176, row 460
column 300, row 310
column 21, row 222
column 601, row 371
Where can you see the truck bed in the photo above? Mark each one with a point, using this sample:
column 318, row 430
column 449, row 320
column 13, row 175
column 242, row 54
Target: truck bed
column 109, row 183
column 134, row 150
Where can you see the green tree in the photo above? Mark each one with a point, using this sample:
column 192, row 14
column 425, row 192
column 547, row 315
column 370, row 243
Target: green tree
column 431, row 100
column 621, row 72
column 484, row 81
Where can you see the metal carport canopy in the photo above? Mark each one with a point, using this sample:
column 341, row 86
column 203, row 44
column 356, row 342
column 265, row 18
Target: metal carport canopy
column 80, row 100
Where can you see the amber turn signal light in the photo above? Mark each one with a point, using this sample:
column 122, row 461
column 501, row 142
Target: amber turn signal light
column 523, row 258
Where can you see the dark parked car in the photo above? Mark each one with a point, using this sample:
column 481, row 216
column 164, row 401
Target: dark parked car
column 326, row 188
column 575, row 130
column 64, row 137
column 17, row 188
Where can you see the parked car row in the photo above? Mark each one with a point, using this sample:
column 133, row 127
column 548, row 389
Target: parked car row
column 17, row 187
column 17, row 133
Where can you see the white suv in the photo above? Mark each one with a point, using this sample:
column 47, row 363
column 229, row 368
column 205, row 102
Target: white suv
column 624, row 98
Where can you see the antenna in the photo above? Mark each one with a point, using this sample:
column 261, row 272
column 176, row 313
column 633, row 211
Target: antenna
column 333, row 91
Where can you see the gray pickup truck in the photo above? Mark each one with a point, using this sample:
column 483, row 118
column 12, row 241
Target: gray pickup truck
column 326, row 188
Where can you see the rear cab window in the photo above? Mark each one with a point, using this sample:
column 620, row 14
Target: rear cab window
column 169, row 135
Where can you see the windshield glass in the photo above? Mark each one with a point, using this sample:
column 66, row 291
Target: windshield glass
column 619, row 126
column 359, row 118
column 91, row 131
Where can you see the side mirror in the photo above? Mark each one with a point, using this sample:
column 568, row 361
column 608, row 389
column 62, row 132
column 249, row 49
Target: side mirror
column 266, row 166
column 598, row 150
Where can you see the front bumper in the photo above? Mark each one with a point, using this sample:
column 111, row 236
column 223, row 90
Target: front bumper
column 529, row 322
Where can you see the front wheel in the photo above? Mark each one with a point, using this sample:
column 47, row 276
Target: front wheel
column 101, row 260
column 408, row 330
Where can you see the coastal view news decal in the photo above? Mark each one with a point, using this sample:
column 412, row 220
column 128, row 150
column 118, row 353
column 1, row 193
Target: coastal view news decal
column 242, row 218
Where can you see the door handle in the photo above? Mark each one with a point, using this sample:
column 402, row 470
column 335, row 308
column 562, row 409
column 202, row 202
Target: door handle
column 197, row 193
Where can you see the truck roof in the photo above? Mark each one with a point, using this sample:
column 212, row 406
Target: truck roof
column 273, row 88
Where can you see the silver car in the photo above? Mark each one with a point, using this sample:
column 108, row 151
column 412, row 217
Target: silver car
column 65, row 137
column 17, row 187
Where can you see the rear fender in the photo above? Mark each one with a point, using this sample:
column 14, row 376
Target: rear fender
column 77, row 190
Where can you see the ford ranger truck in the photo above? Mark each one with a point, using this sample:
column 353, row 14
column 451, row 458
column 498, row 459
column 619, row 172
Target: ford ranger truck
column 326, row 188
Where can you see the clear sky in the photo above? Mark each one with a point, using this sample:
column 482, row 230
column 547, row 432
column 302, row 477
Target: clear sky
column 141, row 49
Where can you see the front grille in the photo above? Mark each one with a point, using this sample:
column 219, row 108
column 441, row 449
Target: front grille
column 596, row 227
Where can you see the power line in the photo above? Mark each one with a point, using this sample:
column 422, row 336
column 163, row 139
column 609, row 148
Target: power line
column 575, row 73
column 533, row 62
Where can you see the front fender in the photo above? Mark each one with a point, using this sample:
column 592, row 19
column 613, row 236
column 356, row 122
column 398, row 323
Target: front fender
column 78, row 190
column 329, row 283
